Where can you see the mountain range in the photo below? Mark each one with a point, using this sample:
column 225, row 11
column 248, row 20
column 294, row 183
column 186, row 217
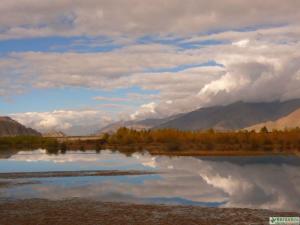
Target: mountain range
column 231, row 117
column 136, row 124
column 234, row 116
column 10, row 127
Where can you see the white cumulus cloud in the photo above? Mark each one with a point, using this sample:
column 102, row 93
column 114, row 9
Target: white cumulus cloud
column 69, row 121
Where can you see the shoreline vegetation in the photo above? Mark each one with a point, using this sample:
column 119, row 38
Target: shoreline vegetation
column 169, row 142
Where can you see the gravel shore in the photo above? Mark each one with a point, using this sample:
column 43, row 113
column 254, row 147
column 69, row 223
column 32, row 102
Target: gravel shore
column 88, row 212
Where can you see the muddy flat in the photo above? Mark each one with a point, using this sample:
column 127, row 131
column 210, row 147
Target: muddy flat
column 73, row 174
column 87, row 212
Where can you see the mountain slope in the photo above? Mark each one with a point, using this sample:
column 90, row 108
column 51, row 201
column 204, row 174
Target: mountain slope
column 10, row 127
column 134, row 124
column 290, row 121
column 234, row 116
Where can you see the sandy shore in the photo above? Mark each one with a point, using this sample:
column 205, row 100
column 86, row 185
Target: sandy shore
column 87, row 212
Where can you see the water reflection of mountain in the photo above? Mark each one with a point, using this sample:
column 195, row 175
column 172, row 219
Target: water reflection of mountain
column 279, row 160
column 7, row 154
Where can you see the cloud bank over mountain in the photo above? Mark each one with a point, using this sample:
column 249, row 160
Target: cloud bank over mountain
column 74, row 122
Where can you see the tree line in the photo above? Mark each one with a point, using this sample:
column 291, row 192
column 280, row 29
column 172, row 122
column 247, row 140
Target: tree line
column 176, row 140
column 167, row 140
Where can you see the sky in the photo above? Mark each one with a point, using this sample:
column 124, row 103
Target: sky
column 77, row 66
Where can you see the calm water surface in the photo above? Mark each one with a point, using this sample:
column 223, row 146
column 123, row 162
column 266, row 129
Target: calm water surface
column 252, row 182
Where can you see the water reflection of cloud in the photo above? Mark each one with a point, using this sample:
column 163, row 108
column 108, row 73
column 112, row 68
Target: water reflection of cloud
column 270, row 186
column 256, row 185
column 105, row 158
column 146, row 159
column 40, row 155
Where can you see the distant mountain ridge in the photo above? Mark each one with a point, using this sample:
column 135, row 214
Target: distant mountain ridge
column 54, row 134
column 231, row 117
column 290, row 121
column 234, row 116
column 10, row 127
column 135, row 124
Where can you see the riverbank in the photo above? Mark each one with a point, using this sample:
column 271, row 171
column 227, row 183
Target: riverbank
column 161, row 149
column 88, row 212
column 227, row 153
